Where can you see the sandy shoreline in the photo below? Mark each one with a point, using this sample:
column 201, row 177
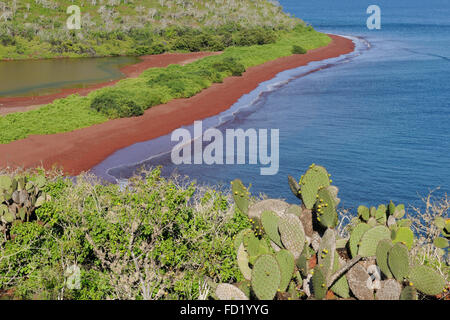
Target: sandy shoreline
column 82, row 149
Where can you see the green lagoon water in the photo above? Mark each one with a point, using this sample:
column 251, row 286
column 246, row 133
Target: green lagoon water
column 40, row 77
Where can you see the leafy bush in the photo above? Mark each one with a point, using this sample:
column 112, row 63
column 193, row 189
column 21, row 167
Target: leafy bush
column 298, row 50
column 229, row 64
column 168, row 233
column 116, row 104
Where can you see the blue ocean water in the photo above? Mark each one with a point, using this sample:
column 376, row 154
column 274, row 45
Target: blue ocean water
column 379, row 120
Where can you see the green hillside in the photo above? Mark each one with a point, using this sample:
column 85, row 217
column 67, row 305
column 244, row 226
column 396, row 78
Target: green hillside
column 37, row 28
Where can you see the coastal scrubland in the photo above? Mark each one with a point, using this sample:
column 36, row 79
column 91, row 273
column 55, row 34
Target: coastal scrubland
column 170, row 238
column 36, row 29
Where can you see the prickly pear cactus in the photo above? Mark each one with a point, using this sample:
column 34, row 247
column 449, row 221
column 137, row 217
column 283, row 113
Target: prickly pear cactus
column 404, row 235
column 225, row 291
column 314, row 179
column 408, row 293
column 325, row 209
column 292, row 234
column 269, row 221
column 398, row 260
column 382, row 256
column 266, row 277
column 319, row 283
column 240, row 195
column 295, row 187
column 370, row 240
column 426, row 280
column 389, row 290
column 355, row 237
column 286, row 263
column 326, row 252
column 242, row 261
column 340, row 287
column 357, row 280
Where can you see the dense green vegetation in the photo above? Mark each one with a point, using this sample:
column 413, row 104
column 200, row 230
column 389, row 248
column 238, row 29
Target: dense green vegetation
column 162, row 238
column 37, row 28
column 154, row 86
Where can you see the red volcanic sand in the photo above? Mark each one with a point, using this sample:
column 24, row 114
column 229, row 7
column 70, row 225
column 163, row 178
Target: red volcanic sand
column 20, row 104
column 82, row 149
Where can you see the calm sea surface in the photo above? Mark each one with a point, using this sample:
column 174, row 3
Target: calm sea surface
column 378, row 120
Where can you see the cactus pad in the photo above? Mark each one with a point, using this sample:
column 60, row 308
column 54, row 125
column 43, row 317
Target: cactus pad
column 240, row 195
column 382, row 256
column 326, row 252
column 370, row 239
column 319, row 284
column 398, row 260
column 315, row 178
column 426, row 280
column 292, row 234
column 363, row 213
column 389, row 290
column 404, row 235
column 242, row 261
column 295, row 187
column 225, row 291
column 286, row 263
column 269, row 221
column 325, row 209
column 266, row 277
column 355, row 237
column 408, row 293
column 357, row 278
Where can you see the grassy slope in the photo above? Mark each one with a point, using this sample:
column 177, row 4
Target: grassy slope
column 74, row 112
column 39, row 29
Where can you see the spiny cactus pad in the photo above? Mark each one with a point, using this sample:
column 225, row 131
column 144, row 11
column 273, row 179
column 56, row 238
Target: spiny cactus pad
column 382, row 256
column 426, row 280
column 286, row 263
column 269, row 222
column 369, row 241
column 440, row 242
column 240, row 195
column 408, row 293
column 240, row 237
column 398, row 260
column 363, row 213
column 355, row 237
column 315, row 178
column 357, row 278
column 404, row 235
column 326, row 252
column 242, row 261
column 325, row 209
column 266, row 277
column 292, row 234
column 389, row 290
column 295, row 187
column 340, row 287
column 319, row 283
column 274, row 205
column 225, row 291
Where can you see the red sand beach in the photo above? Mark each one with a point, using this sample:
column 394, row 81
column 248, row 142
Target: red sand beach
column 82, row 149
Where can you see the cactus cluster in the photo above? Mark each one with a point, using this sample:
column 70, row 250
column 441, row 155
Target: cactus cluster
column 19, row 198
column 295, row 252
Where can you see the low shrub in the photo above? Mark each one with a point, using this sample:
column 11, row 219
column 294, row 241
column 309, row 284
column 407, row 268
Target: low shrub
column 298, row 50
column 229, row 64
column 170, row 234
column 116, row 104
